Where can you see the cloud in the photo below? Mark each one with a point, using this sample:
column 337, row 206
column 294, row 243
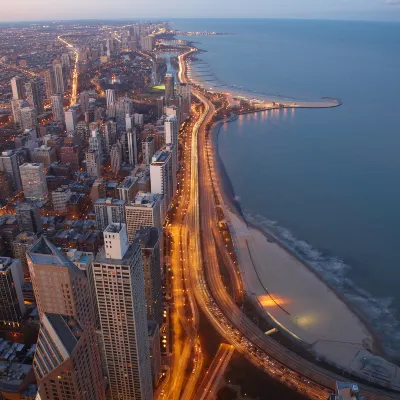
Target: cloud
column 391, row 2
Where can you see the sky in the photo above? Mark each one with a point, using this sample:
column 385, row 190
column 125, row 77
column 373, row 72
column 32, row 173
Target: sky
column 21, row 10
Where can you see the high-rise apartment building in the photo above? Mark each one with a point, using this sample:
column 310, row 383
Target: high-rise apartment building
column 118, row 269
column 16, row 106
column 93, row 163
column 45, row 155
column 33, row 96
column 59, row 78
column 9, row 163
column 84, row 101
column 70, row 120
column 128, row 188
column 28, row 118
column 184, row 90
column 12, row 307
column 17, row 88
column 148, row 149
column 110, row 97
column 57, row 107
column 145, row 210
column 108, row 211
column 169, row 88
column 49, row 83
column 67, row 358
column 33, row 181
column 132, row 146
column 60, row 197
column 28, row 217
column 149, row 240
column 161, row 176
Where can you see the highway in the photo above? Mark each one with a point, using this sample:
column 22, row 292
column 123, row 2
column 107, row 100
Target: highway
column 210, row 384
column 211, row 295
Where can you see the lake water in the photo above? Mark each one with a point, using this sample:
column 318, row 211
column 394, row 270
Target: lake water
column 326, row 181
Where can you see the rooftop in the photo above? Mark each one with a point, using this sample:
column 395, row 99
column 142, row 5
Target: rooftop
column 128, row 182
column 67, row 329
column 5, row 262
column 126, row 260
column 109, row 201
column 147, row 237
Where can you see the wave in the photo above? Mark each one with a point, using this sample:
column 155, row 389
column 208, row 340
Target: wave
column 378, row 311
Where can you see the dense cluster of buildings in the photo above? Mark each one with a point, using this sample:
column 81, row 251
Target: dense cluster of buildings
column 84, row 200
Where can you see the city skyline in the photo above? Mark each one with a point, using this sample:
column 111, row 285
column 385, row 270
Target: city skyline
column 306, row 9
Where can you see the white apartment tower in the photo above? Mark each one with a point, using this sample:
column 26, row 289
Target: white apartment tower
column 17, row 88
column 93, row 164
column 33, row 181
column 118, row 269
column 70, row 120
column 110, row 97
column 145, row 210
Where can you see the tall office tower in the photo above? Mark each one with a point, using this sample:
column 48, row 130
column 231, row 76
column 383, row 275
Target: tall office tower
column 28, row 217
column 12, row 307
column 98, row 190
column 45, row 155
column 155, row 351
column 17, row 88
column 132, row 146
column 9, row 163
column 169, row 88
column 20, row 245
column 161, row 177
column 129, row 122
column 109, row 133
column 33, row 181
column 49, row 83
column 32, row 90
column 57, row 107
column 145, row 210
column 110, row 45
column 116, row 158
column 185, row 92
column 66, row 63
column 110, row 97
column 84, row 101
column 70, row 120
column 17, row 106
column 67, row 358
column 160, row 107
column 125, row 106
column 95, row 142
column 118, row 269
column 139, row 119
column 148, row 149
column 149, row 239
column 171, row 132
column 59, row 79
column 148, row 43
column 128, row 188
column 111, row 111
column 108, row 211
column 93, row 163
column 28, row 118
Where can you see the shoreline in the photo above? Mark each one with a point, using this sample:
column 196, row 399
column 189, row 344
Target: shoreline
column 228, row 195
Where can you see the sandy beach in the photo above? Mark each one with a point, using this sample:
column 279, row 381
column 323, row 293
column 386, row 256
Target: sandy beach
column 294, row 298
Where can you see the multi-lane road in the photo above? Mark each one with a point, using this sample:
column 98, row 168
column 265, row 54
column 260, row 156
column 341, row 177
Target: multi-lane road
column 205, row 280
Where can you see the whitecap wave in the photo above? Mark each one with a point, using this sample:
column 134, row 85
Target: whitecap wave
column 379, row 312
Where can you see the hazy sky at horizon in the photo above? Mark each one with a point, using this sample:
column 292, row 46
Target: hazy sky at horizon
column 20, row 10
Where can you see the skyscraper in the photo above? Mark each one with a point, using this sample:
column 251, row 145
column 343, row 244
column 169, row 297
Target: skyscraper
column 67, row 359
column 108, row 211
column 171, row 131
column 49, row 83
column 110, row 97
column 118, row 269
column 93, row 163
column 17, row 88
column 148, row 149
column 169, row 87
column 28, row 118
column 9, row 163
column 185, row 91
column 149, row 239
column 145, row 210
column 132, row 146
column 57, row 107
column 84, row 101
column 161, row 177
column 12, row 307
column 28, row 217
column 16, row 106
column 70, row 120
column 59, row 79
column 33, row 181
column 33, row 96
